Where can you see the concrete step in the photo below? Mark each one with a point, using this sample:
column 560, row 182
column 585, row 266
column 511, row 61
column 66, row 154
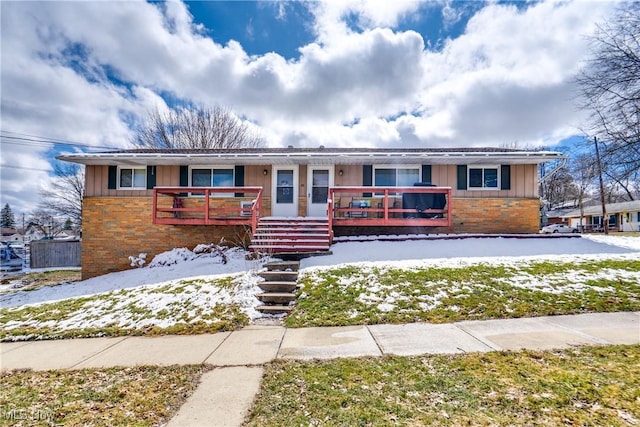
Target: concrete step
column 279, row 276
column 278, row 287
column 274, row 309
column 282, row 266
column 277, row 297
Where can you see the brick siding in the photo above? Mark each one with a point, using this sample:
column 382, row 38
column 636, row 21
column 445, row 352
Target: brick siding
column 116, row 227
column 496, row 215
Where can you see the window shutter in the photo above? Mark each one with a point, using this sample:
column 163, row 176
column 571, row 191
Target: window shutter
column 367, row 178
column 462, row 177
column 426, row 174
column 238, row 177
column 505, row 177
column 151, row 177
column 113, row 173
column 184, row 178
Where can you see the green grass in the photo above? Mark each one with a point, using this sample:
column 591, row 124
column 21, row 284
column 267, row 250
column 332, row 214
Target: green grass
column 32, row 281
column 345, row 295
column 583, row 386
column 353, row 295
column 140, row 396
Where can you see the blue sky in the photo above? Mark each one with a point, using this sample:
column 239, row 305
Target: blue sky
column 348, row 73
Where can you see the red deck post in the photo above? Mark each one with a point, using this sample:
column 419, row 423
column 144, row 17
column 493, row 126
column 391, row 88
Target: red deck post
column 154, row 207
column 330, row 214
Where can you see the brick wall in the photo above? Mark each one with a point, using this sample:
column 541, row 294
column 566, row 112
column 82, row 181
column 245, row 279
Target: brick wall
column 116, row 227
column 471, row 215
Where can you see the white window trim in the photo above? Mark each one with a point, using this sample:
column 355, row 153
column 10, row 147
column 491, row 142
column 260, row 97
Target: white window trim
column 499, row 181
column 211, row 167
column 396, row 167
column 144, row 186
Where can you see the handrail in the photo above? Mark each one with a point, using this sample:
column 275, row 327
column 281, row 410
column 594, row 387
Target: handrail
column 201, row 214
column 361, row 215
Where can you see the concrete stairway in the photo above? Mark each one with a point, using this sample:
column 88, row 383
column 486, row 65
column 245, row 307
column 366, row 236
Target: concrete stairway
column 279, row 286
column 291, row 235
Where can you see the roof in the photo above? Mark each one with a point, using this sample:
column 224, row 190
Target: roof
column 612, row 208
column 313, row 156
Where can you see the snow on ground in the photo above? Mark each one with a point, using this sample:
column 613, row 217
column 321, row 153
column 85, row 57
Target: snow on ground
column 470, row 250
column 176, row 264
column 152, row 288
column 631, row 242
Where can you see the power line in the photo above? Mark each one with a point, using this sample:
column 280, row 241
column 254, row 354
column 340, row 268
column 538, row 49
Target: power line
column 25, row 168
column 35, row 140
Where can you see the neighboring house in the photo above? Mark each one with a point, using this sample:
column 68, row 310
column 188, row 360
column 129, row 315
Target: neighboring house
column 11, row 235
column 624, row 216
column 156, row 197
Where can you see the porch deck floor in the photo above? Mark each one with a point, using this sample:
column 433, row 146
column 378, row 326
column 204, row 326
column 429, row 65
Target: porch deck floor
column 435, row 236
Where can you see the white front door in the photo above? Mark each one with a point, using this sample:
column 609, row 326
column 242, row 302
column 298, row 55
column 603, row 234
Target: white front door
column 319, row 179
column 284, row 194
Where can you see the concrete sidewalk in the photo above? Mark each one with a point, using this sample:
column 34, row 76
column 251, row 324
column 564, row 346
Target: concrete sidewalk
column 226, row 393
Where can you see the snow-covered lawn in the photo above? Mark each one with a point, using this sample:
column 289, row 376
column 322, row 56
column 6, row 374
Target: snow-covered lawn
column 184, row 292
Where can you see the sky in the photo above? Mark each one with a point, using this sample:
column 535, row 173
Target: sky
column 80, row 76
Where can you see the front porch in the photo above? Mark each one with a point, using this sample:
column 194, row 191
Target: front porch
column 352, row 206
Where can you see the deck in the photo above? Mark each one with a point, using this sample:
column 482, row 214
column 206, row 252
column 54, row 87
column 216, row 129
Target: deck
column 354, row 206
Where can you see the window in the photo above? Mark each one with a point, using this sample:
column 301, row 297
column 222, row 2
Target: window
column 132, row 178
column 483, row 177
column 396, row 177
column 213, row 177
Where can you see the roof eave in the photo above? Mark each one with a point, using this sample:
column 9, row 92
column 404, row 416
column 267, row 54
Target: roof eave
column 324, row 157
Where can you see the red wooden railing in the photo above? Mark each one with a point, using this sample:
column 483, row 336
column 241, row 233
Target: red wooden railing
column 207, row 206
column 382, row 206
column 347, row 206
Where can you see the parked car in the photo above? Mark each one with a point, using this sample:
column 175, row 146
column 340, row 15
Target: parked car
column 559, row 228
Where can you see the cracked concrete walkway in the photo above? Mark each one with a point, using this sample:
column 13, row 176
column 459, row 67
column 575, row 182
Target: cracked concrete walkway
column 225, row 394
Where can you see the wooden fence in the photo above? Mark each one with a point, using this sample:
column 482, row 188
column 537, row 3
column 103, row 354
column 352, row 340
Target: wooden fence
column 55, row 253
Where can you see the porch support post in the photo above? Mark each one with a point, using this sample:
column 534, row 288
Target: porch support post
column 330, row 214
column 154, row 208
column 386, row 207
column 449, row 200
column 206, row 206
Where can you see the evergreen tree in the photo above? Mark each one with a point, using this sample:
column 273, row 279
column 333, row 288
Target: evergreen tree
column 8, row 219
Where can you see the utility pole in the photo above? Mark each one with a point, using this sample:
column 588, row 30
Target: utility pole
column 605, row 218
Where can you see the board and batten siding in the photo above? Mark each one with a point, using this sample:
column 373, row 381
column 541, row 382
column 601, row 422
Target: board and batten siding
column 97, row 180
column 524, row 180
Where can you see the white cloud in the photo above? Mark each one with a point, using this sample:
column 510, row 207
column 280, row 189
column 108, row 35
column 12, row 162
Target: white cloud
column 84, row 71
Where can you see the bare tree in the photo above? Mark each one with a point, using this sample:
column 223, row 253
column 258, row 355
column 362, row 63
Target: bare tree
column 584, row 173
column 65, row 193
column 610, row 89
column 46, row 223
column 196, row 127
column 558, row 190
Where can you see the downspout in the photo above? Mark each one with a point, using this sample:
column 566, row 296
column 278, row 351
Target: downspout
column 556, row 169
